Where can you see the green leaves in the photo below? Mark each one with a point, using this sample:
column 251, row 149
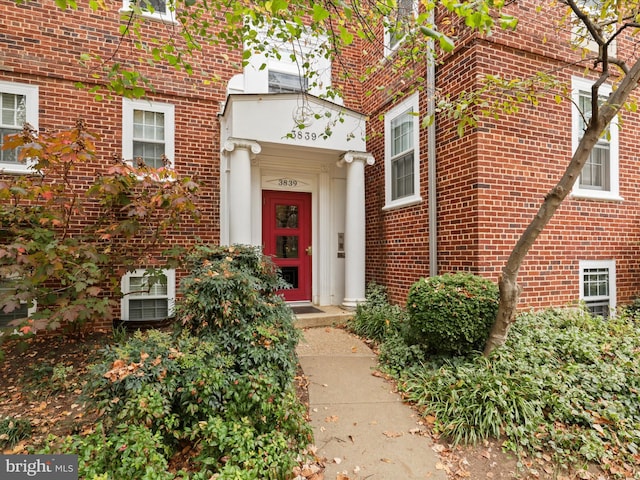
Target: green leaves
column 445, row 42
column 508, row 22
column 564, row 383
column 227, row 393
column 275, row 6
column 320, row 12
column 72, row 272
column 451, row 313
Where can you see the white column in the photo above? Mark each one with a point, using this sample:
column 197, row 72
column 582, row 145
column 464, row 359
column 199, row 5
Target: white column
column 240, row 154
column 354, row 235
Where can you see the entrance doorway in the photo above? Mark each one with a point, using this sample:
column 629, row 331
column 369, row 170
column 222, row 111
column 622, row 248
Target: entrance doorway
column 286, row 235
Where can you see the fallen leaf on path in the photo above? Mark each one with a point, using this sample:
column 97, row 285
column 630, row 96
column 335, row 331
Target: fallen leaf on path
column 386, row 460
column 392, row 434
column 331, row 419
column 337, row 460
column 438, row 448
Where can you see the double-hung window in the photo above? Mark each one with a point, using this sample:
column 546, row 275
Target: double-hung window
column 402, row 154
column 148, row 132
column 599, row 177
column 598, row 286
column 282, row 82
column 148, row 298
column 155, row 9
column 18, row 105
column 397, row 24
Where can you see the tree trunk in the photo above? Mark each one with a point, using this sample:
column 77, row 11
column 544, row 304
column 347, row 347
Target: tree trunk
column 509, row 288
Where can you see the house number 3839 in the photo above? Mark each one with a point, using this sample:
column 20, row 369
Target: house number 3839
column 287, row 182
column 300, row 135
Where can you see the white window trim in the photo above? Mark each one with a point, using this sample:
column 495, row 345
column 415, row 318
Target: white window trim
column 411, row 103
column 578, row 85
column 31, row 93
column 165, row 17
column 128, row 106
column 30, row 311
column 256, row 73
column 610, row 265
column 390, row 49
column 126, row 289
column 580, row 36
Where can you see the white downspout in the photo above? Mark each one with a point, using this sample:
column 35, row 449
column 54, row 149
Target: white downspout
column 431, row 158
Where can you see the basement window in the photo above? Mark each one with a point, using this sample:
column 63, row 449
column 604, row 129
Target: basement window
column 598, row 286
column 148, row 298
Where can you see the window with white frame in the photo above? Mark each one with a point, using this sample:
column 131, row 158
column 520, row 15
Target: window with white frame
column 287, row 67
column 605, row 16
column 19, row 313
column 155, row 9
column 18, row 105
column 599, row 177
column 598, row 286
column 148, row 132
column 398, row 23
column 146, row 297
column 283, row 82
column 402, row 154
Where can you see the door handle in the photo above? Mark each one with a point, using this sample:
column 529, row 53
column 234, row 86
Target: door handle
column 308, row 250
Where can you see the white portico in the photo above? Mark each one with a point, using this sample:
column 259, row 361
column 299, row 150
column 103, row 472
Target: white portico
column 297, row 192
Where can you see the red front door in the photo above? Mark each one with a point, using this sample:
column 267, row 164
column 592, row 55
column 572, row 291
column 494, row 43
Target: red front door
column 286, row 235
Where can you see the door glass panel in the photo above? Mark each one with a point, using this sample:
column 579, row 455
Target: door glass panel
column 286, row 216
column 287, row 246
column 290, row 275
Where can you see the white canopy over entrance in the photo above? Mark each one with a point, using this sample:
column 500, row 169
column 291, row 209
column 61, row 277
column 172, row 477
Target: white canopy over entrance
column 295, row 142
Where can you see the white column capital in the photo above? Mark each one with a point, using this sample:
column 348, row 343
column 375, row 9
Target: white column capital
column 232, row 144
column 353, row 156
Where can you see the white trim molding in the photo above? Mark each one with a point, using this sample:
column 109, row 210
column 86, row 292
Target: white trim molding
column 125, row 287
column 599, row 267
column 409, row 108
column 610, row 142
column 31, row 102
column 166, row 16
column 168, row 109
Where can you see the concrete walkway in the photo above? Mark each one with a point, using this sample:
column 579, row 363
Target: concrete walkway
column 361, row 427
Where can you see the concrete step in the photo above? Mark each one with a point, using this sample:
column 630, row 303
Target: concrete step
column 325, row 316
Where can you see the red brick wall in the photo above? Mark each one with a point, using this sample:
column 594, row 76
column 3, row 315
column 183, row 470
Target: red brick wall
column 40, row 44
column 491, row 182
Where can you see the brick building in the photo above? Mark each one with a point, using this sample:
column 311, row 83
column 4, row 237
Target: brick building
column 490, row 183
column 373, row 201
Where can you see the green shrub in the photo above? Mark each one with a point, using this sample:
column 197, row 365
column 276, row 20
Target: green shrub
column 376, row 319
column 228, row 286
column 162, row 381
column 12, row 430
column 128, row 451
column 396, row 356
column 565, row 383
column 229, row 298
column 222, row 385
column 451, row 313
